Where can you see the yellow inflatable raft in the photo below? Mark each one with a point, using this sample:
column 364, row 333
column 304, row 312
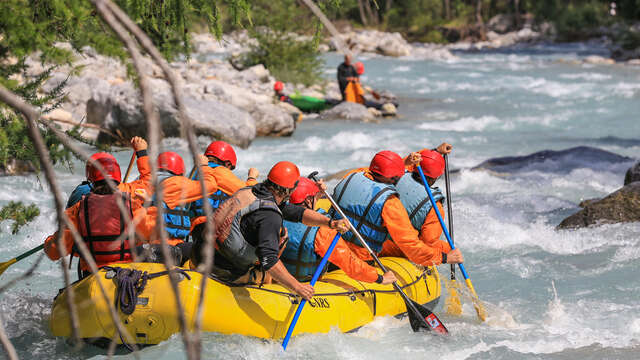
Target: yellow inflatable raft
column 340, row 302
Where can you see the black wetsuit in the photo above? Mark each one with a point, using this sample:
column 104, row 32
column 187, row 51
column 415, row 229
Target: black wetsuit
column 345, row 71
column 260, row 228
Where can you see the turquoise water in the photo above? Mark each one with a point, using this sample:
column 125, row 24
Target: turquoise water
column 570, row 294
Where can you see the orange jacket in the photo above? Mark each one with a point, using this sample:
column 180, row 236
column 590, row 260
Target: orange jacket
column 396, row 221
column 343, row 257
column 54, row 253
column 228, row 182
column 354, row 93
column 179, row 190
column 429, row 235
column 139, row 189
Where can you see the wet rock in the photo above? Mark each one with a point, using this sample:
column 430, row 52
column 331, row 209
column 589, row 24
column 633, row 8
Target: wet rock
column 622, row 205
column 633, row 174
column 347, row 111
column 562, row 161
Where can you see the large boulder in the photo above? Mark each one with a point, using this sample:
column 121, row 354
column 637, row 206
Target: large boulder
column 273, row 120
column 633, row 174
column 349, row 111
column 118, row 108
column 621, row 206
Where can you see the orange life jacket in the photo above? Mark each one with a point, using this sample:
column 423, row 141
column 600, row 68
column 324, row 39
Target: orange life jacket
column 101, row 224
column 354, row 93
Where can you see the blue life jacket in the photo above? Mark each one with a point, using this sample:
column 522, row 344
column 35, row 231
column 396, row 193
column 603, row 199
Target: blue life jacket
column 362, row 200
column 216, row 199
column 177, row 222
column 299, row 256
column 83, row 189
column 415, row 199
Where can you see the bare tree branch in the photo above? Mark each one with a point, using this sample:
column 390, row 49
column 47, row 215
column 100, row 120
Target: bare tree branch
column 6, row 343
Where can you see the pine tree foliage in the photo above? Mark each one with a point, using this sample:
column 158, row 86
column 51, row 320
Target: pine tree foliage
column 19, row 213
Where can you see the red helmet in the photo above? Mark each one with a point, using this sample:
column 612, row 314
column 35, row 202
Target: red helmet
column 359, row 67
column 305, row 188
column 387, row 163
column 108, row 163
column 285, row 174
column 171, row 162
column 278, row 86
column 432, row 163
column 222, row 151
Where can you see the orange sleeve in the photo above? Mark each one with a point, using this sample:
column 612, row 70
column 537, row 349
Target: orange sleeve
column 431, row 231
column 343, row 257
column 140, row 190
column 397, row 222
column 51, row 245
column 228, row 182
column 179, row 190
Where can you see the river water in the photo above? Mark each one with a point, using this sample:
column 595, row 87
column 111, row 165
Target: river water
column 561, row 294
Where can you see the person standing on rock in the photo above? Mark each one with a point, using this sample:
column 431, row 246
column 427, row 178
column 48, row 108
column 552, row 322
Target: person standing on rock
column 249, row 232
column 308, row 244
column 222, row 159
column 346, row 73
column 371, row 201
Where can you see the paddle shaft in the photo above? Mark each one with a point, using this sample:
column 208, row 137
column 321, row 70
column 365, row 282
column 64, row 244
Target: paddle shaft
column 449, row 211
column 444, row 227
column 408, row 302
column 30, row 252
column 314, row 279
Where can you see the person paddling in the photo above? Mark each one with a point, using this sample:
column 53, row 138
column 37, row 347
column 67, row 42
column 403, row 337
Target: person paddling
column 371, row 201
column 222, row 159
column 98, row 219
column 249, row 231
column 307, row 244
column 178, row 191
column 415, row 200
column 142, row 185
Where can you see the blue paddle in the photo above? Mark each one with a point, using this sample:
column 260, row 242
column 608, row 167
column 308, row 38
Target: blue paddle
column 481, row 312
column 315, row 277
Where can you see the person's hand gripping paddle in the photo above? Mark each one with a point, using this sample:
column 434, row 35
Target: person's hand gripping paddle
column 419, row 316
column 482, row 314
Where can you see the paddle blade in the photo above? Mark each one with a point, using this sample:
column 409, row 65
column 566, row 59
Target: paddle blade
column 5, row 265
column 482, row 314
column 425, row 320
column 452, row 304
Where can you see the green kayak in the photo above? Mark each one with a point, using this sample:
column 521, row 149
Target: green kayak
column 309, row 103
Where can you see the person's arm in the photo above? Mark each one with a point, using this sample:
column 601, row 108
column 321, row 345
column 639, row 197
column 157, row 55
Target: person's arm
column 431, row 230
column 228, row 182
column 183, row 191
column 51, row 243
column 281, row 275
column 397, row 222
column 343, row 257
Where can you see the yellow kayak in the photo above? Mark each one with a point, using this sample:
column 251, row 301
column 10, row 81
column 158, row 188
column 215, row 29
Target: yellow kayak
column 265, row 312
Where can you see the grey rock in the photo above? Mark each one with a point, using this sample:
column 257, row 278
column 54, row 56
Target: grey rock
column 633, row 174
column 622, row 205
column 272, row 120
column 562, row 161
column 348, row 111
column 502, row 23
